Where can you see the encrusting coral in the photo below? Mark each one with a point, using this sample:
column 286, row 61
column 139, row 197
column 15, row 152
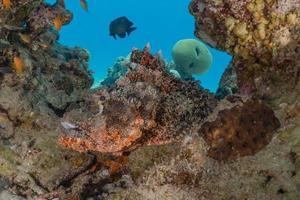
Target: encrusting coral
column 244, row 129
column 118, row 70
column 263, row 37
column 40, row 80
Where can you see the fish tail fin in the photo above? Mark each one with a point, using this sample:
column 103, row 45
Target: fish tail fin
column 131, row 30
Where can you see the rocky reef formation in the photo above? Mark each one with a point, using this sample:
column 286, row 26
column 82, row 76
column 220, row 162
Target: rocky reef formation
column 118, row 70
column 40, row 80
column 263, row 37
column 49, row 74
column 243, row 146
column 228, row 83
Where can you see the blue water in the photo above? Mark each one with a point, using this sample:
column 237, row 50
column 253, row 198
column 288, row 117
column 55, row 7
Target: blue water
column 160, row 22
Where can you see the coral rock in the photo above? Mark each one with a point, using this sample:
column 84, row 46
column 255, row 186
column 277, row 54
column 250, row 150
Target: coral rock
column 262, row 36
column 241, row 130
column 228, row 83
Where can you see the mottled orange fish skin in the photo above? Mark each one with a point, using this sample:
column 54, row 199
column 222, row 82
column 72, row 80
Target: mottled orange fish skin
column 25, row 38
column 57, row 22
column 19, row 64
column 6, row 4
column 84, row 5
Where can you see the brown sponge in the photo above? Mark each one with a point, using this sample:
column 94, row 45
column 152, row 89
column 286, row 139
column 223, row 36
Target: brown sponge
column 239, row 131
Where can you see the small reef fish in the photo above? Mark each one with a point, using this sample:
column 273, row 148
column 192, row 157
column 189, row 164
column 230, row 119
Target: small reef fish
column 6, row 4
column 19, row 64
column 57, row 22
column 84, row 5
column 121, row 26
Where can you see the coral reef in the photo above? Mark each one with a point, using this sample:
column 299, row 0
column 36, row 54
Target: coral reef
column 146, row 134
column 191, row 57
column 115, row 72
column 52, row 75
column 120, row 68
column 263, row 37
column 40, row 81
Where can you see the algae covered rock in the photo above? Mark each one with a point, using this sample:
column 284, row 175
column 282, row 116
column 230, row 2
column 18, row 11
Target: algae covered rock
column 45, row 72
column 191, row 57
column 262, row 36
column 225, row 151
column 118, row 70
column 228, row 83
column 244, row 129
column 53, row 80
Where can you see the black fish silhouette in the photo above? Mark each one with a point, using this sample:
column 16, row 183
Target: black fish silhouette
column 121, row 26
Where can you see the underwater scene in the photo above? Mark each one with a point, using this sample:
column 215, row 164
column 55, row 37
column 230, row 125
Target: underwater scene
column 149, row 100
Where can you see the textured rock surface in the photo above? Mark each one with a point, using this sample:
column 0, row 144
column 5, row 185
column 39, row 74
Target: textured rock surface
column 242, row 129
column 54, row 76
column 228, row 83
column 115, row 72
column 54, row 80
column 273, row 173
column 120, row 68
column 263, row 37
column 9, row 196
